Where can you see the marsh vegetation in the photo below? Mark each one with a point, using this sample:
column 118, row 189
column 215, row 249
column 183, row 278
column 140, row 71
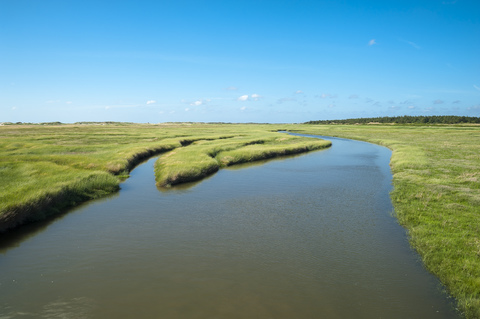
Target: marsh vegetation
column 436, row 173
column 45, row 169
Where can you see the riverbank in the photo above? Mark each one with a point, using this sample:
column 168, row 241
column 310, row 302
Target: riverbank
column 205, row 157
column 436, row 177
column 47, row 169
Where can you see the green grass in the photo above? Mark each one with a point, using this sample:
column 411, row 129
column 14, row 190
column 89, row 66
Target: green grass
column 436, row 176
column 204, row 157
column 47, row 168
column 436, row 196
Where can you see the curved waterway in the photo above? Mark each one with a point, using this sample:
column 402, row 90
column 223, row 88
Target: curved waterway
column 309, row 236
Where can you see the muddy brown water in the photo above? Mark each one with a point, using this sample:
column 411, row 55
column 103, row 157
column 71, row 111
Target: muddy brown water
column 309, row 236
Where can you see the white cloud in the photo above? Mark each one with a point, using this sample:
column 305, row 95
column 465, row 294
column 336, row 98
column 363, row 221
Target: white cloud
column 14, row 108
column 151, row 102
column 299, row 92
column 372, row 42
column 231, row 88
column 411, row 107
column 256, row 97
column 478, row 88
column 187, row 109
column 243, row 98
column 69, row 102
column 197, row 103
column 243, row 108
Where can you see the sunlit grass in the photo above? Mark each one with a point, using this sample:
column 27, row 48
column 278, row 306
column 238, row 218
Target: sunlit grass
column 44, row 169
column 204, row 157
column 436, row 195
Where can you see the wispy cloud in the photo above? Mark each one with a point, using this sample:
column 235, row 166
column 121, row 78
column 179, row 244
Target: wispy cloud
column 478, row 88
column 438, row 102
column 325, row 95
column 242, row 98
column 231, row 88
column 353, row 96
column 120, row 106
column 197, row 102
column 456, row 102
column 412, row 44
column 256, row 97
column 285, row 99
column 372, row 42
column 151, row 102
column 299, row 92
column 475, row 108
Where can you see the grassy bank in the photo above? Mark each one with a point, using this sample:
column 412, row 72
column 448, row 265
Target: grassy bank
column 436, row 176
column 45, row 169
column 204, row 157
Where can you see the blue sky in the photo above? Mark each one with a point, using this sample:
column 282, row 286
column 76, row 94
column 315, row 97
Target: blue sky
column 237, row 61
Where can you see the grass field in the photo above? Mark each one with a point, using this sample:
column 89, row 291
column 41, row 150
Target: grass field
column 45, row 169
column 436, row 177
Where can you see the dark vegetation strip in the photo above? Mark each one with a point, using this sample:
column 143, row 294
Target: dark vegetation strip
column 406, row 119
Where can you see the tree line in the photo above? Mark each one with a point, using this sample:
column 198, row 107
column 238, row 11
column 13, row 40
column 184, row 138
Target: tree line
column 406, row 119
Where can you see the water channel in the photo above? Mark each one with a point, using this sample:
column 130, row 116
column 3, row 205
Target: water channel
column 310, row 236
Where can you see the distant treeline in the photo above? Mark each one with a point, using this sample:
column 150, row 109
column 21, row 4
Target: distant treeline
column 434, row 119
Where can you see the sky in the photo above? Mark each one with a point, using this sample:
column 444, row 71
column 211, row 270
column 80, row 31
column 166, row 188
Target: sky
column 237, row 61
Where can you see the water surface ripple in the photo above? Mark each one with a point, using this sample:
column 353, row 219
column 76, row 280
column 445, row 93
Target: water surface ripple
column 310, row 236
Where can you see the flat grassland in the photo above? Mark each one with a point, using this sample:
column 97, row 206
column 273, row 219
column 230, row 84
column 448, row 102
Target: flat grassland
column 436, row 175
column 45, row 169
column 436, row 196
